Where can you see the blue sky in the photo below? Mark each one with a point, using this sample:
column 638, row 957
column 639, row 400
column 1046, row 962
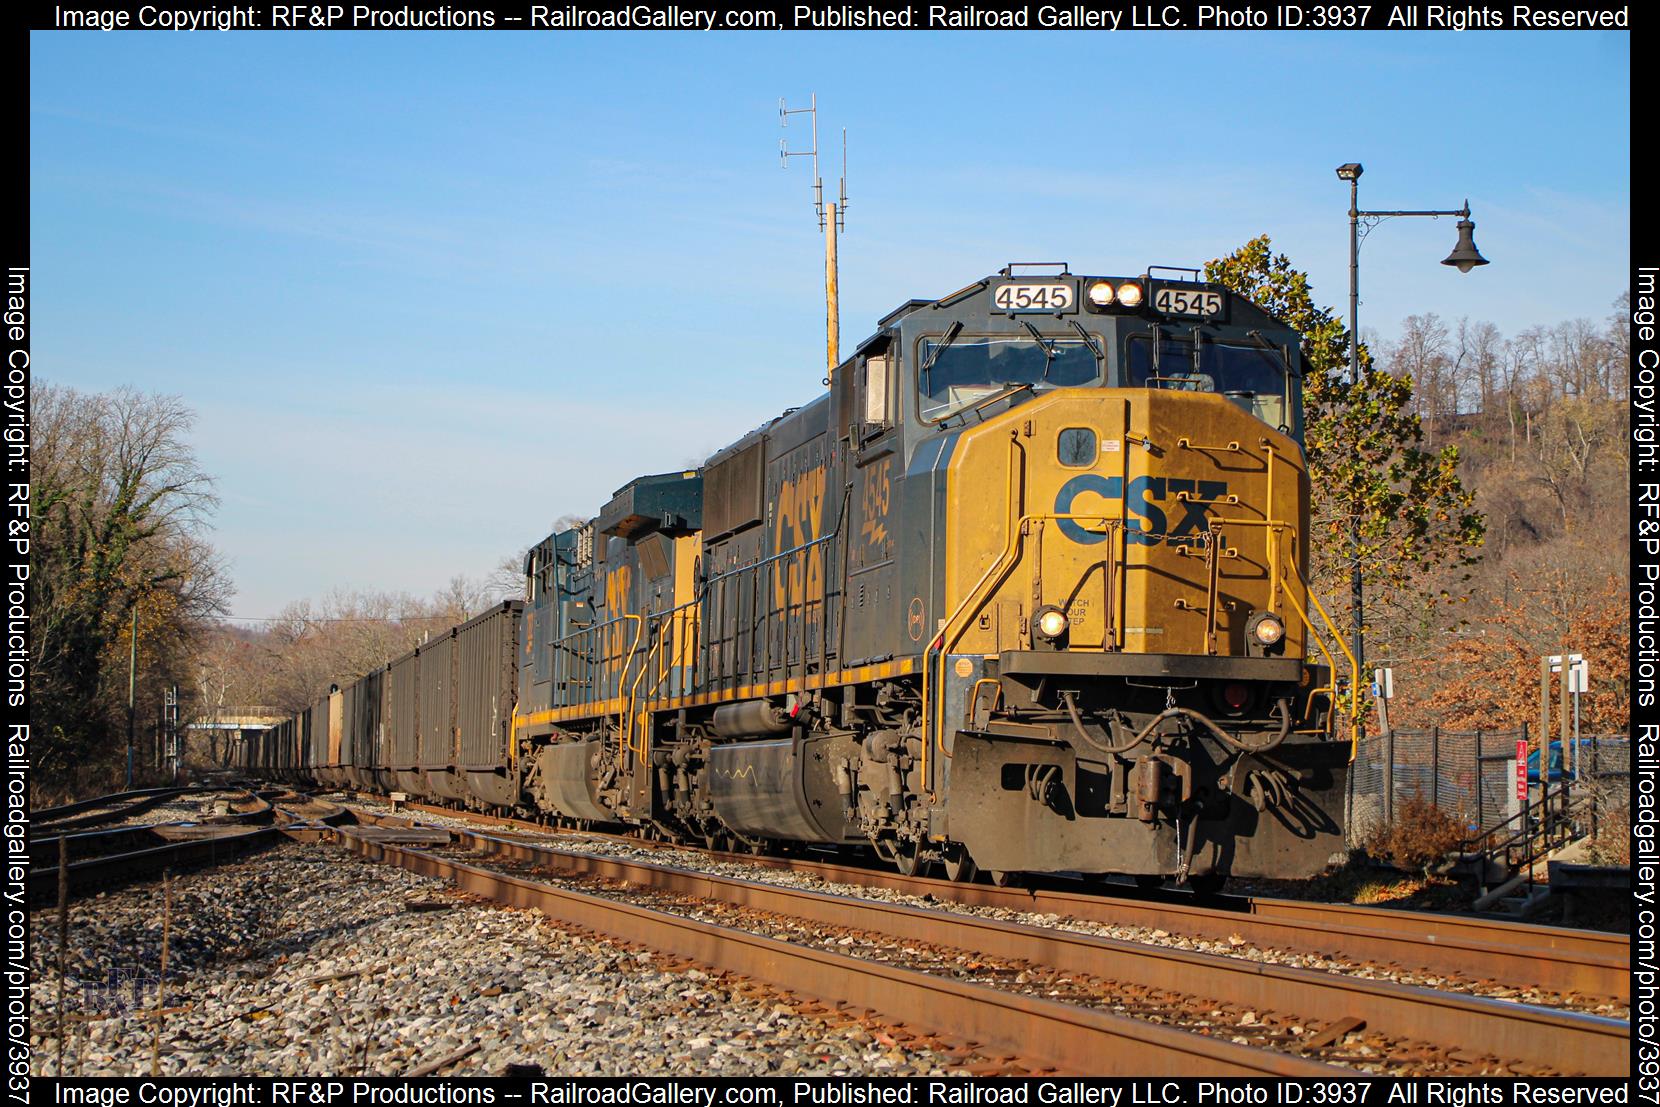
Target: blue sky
column 430, row 291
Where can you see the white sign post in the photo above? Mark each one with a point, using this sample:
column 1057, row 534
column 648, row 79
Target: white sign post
column 1576, row 680
column 1383, row 690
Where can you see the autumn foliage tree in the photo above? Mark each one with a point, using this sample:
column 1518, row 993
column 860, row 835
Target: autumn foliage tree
column 1488, row 674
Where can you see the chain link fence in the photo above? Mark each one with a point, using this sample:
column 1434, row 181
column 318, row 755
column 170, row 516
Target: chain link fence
column 1471, row 775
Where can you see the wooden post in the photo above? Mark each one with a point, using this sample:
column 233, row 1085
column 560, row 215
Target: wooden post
column 63, row 942
column 1435, row 766
column 161, row 981
column 1544, row 711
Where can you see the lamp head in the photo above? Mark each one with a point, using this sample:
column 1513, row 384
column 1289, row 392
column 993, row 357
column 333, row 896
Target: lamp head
column 1465, row 256
column 1351, row 171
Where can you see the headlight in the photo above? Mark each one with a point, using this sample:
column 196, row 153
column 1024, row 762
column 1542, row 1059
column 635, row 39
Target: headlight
column 1129, row 294
column 1101, row 293
column 1268, row 629
column 1051, row 623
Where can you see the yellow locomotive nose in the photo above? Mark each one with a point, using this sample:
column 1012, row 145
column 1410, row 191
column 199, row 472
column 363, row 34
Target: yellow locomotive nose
column 1130, row 520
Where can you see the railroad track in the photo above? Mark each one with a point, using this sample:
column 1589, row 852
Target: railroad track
column 1589, row 964
column 1042, row 1032
column 117, row 868
column 103, row 809
column 1405, row 1029
column 102, row 859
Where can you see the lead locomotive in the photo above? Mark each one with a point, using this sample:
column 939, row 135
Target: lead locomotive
column 1023, row 591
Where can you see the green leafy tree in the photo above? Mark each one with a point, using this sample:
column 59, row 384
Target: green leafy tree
column 1418, row 526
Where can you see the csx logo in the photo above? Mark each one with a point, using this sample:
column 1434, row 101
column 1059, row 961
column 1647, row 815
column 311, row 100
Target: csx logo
column 1150, row 523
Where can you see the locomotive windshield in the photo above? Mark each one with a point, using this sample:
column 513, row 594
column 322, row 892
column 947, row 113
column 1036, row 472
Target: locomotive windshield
column 957, row 370
column 1253, row 376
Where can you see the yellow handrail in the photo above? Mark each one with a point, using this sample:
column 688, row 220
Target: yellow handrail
column 633, row 694
column 955, row 625
column 626, row 710
column 1013, row 504
column 1354, row 667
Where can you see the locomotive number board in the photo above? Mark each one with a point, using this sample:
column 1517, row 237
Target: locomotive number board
column 1174, row 299
column 1039, row 296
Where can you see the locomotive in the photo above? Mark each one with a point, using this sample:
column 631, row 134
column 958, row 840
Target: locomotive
column 1022, row 591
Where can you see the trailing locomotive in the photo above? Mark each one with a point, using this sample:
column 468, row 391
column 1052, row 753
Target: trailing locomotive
column 1023, row 591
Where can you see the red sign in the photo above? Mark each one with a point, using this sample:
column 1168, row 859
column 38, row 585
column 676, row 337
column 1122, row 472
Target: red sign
column 1521, row 773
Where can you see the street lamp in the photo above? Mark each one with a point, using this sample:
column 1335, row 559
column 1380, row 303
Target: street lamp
column 1464, row 258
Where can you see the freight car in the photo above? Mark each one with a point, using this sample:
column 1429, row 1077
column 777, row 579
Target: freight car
column 1024, row 590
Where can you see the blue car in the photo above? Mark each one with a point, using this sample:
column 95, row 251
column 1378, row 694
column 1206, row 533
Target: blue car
column 1608, row 751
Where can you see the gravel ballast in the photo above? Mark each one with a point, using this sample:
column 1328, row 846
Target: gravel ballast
column 306, row 960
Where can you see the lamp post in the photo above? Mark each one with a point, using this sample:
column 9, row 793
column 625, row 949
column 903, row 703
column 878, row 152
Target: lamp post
column 1464, row 258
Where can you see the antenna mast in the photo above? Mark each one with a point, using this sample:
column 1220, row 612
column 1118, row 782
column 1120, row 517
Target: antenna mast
column 832, row 218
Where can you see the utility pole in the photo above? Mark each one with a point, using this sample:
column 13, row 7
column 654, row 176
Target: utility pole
column 832, row 219
column 132, row 692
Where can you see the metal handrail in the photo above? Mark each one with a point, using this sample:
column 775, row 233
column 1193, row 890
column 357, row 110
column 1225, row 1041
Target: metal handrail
column 940, row 646
column 754, row 570
column 587, row 650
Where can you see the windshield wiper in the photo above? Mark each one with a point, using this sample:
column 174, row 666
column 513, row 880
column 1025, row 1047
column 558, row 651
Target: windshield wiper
column 1280, row 360
column 1089, row 340
column 1043, row 344
column 978, row 406
column 951, row 334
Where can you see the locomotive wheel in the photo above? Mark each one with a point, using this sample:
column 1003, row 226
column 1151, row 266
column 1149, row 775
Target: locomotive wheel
column 1006, row 879
column 959, row 866
column 907, row 857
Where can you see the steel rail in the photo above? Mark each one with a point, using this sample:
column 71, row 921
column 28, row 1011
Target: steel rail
column 96, row 873
column 1048, row 1034
column 125, row 804
column 1508, row 1031
column 1554, row 959
column 44, row 841
column 49, row 814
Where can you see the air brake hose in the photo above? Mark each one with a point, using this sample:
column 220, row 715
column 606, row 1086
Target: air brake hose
column 1282, row 704
column 1068, row 698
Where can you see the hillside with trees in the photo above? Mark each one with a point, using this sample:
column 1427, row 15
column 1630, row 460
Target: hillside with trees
column 1540, row 424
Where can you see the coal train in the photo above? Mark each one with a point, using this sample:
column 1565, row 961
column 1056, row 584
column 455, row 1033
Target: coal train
column 1023, row 590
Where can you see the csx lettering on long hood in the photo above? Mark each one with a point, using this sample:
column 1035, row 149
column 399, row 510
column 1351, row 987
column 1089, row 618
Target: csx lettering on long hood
column 1169, row 509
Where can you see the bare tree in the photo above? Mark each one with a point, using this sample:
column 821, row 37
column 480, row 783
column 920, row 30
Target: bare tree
column 120, row 503
column 1420, row 355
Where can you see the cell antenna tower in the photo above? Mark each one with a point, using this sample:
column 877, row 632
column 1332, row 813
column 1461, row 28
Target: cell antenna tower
column 832, row 218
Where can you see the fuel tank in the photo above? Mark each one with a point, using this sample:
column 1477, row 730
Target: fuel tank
column 789, row 788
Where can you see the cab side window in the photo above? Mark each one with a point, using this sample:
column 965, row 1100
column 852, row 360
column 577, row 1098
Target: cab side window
column 876, row 396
